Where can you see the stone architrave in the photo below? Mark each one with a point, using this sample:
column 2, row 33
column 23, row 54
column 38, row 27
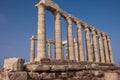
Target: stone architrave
column 88, row 45
column 32, row 50
column 106, row 48
column 41, row 43
column 95, row 46
column 58, row 36
column 49, row 49
column 110, row 50
column 100, row 40
column 80, row 42
column 70, row 39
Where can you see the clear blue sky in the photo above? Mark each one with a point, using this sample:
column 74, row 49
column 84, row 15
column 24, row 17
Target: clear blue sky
column 18, row 21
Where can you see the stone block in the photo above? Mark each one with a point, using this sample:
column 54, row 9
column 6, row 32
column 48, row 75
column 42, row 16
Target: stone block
column 36, row 67
column 111, row 76
column 13, row 76
column 98, row 73
column 58, row 68
column 13, row 64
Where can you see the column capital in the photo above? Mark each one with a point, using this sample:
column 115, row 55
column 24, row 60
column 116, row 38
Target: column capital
column 57, row 12
column 39, row 4
column 75, row 40
column 57, row 15
column 93, row 31
column 48, row 43
column 108, row 38
column 99, row 34
column 86, row 29
column 69, row 19
column 104, row 34
column 32, row 37
column 78, row 23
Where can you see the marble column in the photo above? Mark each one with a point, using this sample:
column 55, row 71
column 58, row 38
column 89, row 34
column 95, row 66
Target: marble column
column 106, row 48
column 62, row 51
column 76, row 50
column 49, row 49
column 58, row 36
column 80, row 42
column 110, row 50
column 67, row 54
column 70, row 39
column 102, row 55
column 32, row 50
column 88, row 45
column 41, row 43
column 95, row 46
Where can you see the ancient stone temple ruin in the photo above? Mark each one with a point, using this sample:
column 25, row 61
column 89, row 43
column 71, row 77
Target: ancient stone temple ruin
column 96, row 63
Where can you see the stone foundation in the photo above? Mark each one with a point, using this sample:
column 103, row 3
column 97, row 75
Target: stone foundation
column 71, row 75
column 58, row 70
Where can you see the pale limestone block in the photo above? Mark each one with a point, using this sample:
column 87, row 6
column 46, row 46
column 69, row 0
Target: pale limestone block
column 14, row 64
column 111, row 76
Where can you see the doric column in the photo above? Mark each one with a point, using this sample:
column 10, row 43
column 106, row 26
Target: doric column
column 67, row 54
column 62, row 51
column 76, row 50
column 95, row 46
column 110, row 50
column 58, row 36
column 70, row 39
column 106, row 48
column 32, row 50
column 80, row 42
column 41, row 44
column 88, row 45
column 102, row 55
column 49, row 49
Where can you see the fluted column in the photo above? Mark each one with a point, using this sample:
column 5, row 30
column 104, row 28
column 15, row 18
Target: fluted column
column 110, row 50
column 32, row 50
column 41, row 44
column 70, row 39
column 58, row 36
column 62, row 51
column 106, row 48
column 80, row 42
column 49, row 49
column 76, row 50
column 102, row 55
column 95, row 46
column 88, row 45
column 67, row 54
